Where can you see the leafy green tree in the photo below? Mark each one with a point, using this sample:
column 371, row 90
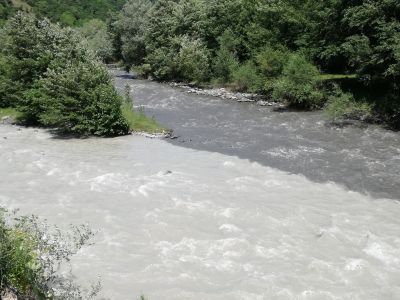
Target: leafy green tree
column 225, row 61
column 270, row 63
column 68, row 18
column 130, row 29
column 75, row 12
column 77, row 99
column 247, row 78
column 298, row 84
column 376, row 26
column 7, row 88
column 193, row 60
column 98, row 38
column 61, row 83
column 223, row 16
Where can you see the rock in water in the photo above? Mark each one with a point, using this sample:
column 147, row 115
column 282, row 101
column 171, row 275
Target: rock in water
column 7, row 120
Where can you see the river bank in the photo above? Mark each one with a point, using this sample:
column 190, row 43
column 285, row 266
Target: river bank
column 10, row 116
column 224, row 93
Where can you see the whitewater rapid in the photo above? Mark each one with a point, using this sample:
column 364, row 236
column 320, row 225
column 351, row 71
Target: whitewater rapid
column 177, row 223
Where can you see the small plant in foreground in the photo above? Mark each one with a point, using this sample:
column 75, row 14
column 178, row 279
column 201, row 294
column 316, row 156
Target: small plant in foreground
column 31, row 253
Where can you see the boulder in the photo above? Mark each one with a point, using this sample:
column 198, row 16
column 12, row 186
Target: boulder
column 7, row 120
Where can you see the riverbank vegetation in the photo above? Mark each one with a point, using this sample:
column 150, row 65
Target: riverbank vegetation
column 343, row 55
column 31, row 253
column 12, row 113
column 52, row 78
column 66, row 12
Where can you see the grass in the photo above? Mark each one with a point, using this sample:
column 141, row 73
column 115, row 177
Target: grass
column 21, row 4
column 324, row 77
column 10, row 112
column 345, row 106
column 139, row 122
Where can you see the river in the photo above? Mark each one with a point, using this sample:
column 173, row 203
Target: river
column 361, row 159
column 246, row 204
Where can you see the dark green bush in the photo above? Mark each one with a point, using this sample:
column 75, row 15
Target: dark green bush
column 246, row 78
column 58, row 81
column 225, row 61
column 270, row 61
column 224, row 64
column 299, row 85
column 7, row 86
column 342, row 105
column 389, row 108
column 185, row 59
column 17, row 259
column 163, row 63
column 193, row 60
column 142, row 71
column 78, row 99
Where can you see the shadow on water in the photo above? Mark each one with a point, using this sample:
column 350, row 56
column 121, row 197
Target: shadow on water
column 126, row 76
column 362, row 158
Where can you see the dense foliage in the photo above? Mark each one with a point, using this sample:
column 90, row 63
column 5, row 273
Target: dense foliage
column 31, row 253
column 55, row 80
column 67, row 12
column 99, row 39
column 278, row 47
column 6, row 10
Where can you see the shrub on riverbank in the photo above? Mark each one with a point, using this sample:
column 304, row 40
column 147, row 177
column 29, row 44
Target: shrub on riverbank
column 137, row 120
column 31, row 253
column 298, row 84
column 12, row 113
column 246, row 78
column 57, row 81
column 6, row 86
column 343, row 105
column 87, row 103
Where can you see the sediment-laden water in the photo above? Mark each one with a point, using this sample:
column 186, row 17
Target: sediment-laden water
column 363, row 159
column 179, row 223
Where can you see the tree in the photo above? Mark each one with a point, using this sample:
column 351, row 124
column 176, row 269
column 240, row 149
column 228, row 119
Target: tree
column 130, row 28
column 61, row 83
column 98, row 38
column 193, row 60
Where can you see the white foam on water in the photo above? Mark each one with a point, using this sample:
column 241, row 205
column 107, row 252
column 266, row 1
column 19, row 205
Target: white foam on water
column 175, row 223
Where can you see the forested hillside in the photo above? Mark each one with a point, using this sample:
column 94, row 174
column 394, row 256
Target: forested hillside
column 68, row 12
column 339, row 54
